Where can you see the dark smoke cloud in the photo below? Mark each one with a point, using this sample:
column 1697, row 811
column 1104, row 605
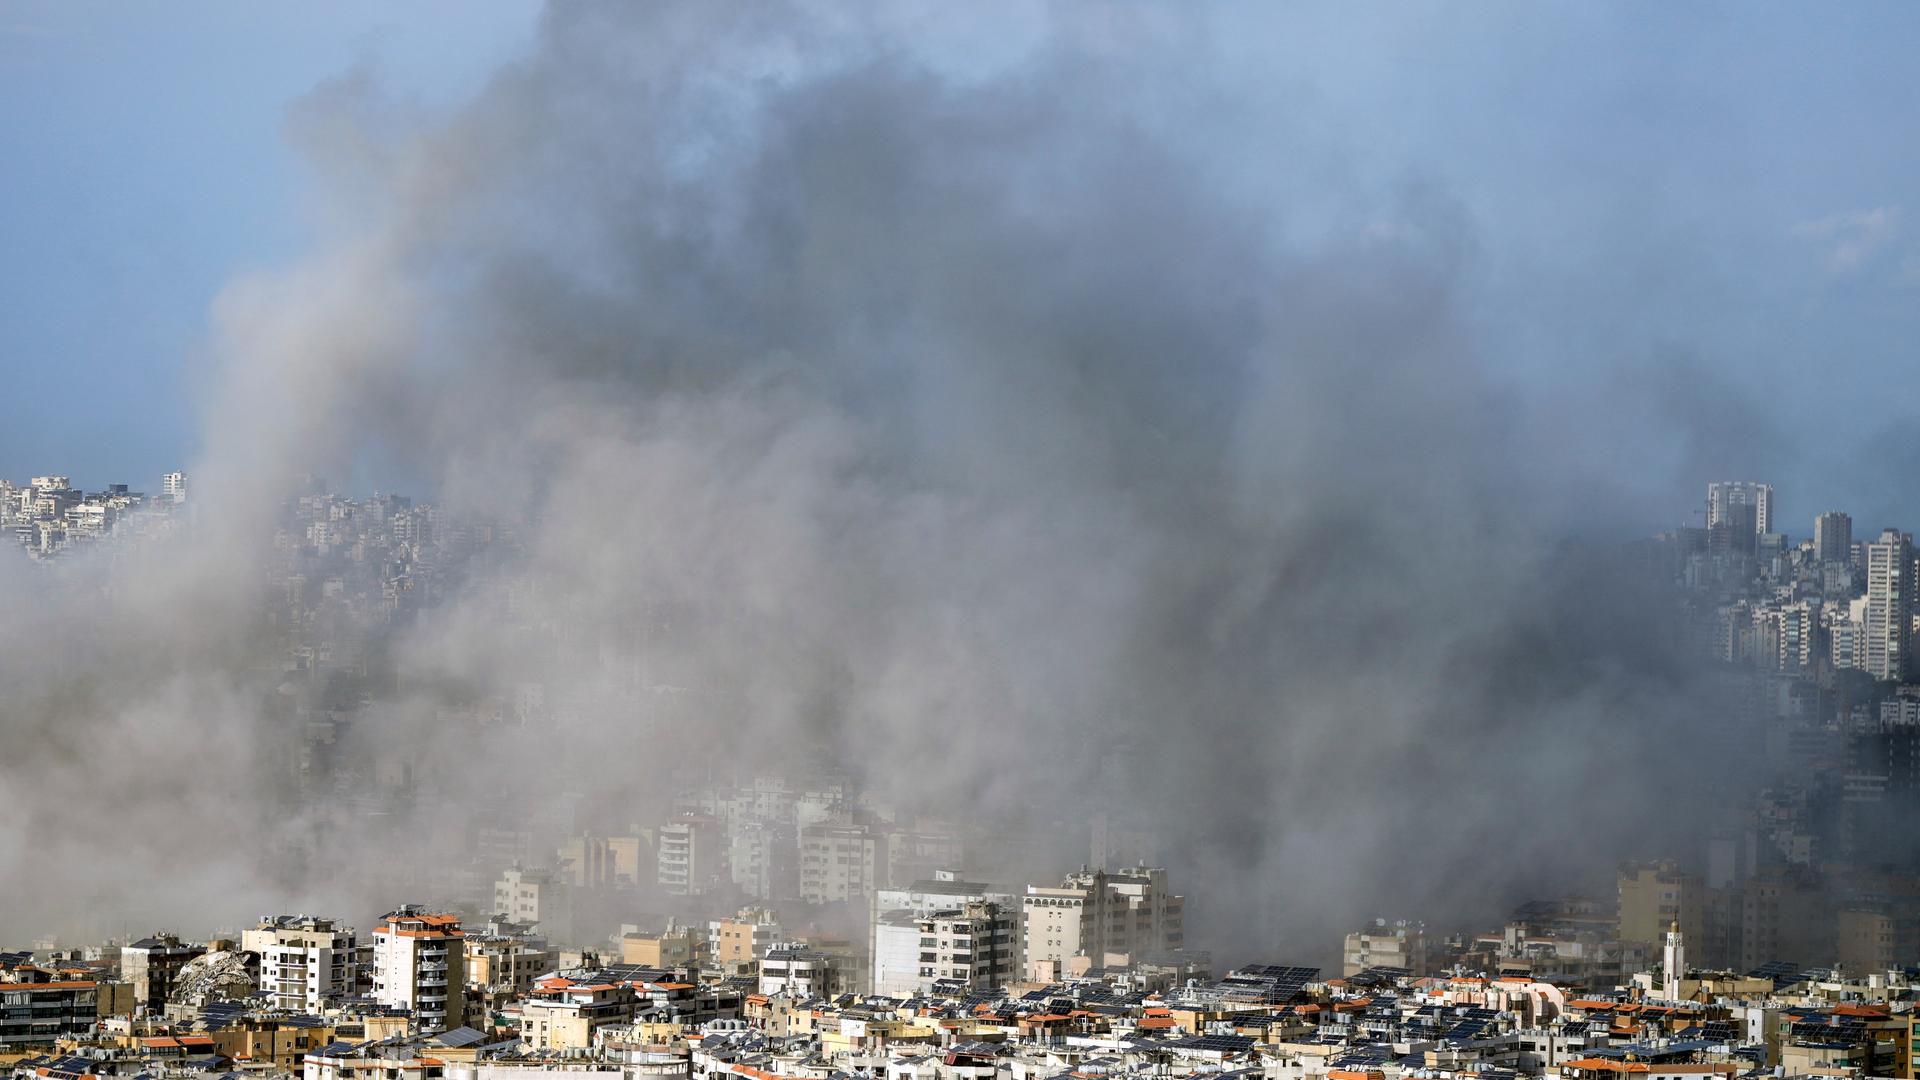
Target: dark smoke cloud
column 970, row 420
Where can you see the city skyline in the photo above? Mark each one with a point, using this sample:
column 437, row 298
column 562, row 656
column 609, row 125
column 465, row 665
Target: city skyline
column 915, row 541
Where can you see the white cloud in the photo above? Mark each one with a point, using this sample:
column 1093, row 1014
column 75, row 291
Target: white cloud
column 1847, row 241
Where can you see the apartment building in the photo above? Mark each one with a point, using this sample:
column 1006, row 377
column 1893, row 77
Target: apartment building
column 537, row 898
column 1107, row 918
column 841, row 861
column 152, row 963
column 959, row 950
column 419, row 964
column 305, row 961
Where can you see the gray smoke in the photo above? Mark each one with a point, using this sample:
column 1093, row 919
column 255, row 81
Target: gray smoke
column 974, row 421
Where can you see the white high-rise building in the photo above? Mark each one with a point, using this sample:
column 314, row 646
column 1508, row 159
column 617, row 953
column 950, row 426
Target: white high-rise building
column 1739, row 514
column 1889, row 622
column 690, row 856
column 419, row 964
column 304, row 961
column 174, row 487
column 1846, row 628
column 1796, row 637
column 1725, row 496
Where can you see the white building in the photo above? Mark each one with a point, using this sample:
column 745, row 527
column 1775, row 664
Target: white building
column 1890, row 606
column 419, row 964
column 689, row 855
column 945, row 890
column 974, row 948
column 895, row 965
column 305, row 961
column 792, row 968
column 1846, row 629
column 173, row 487
column 1727, row 500
column 536, row 898
column 896, row 953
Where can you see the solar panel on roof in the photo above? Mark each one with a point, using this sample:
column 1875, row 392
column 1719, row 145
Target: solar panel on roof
column 1467, row 1029
column 1782, row 972
column 1365, row 1054
column 1215, row 1044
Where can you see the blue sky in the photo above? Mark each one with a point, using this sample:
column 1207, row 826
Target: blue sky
column 145, row 164
column 1710, row 204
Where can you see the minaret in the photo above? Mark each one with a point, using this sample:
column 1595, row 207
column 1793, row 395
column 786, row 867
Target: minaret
column 1673, row 963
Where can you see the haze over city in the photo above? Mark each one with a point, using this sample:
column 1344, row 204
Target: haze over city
column 599, row 520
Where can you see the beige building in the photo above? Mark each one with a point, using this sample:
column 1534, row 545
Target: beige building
column 1397, row 945
column 1110, row 919
column 561, row 1014
column 676, row 946
column 151, row 963
column 841, row 861
column 504, row 959
column 592, row 861
column 1872, row 939
column 738, row 942
column 1655, row 895
column 419, row 964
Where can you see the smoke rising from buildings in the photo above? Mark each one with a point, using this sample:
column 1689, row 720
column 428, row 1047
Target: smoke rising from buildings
column 974, row 424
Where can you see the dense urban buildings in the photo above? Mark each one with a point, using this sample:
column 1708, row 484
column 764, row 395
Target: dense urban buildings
column 782, row 923
column 48, row 515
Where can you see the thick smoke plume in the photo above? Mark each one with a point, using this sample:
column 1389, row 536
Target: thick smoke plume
column 975, row 420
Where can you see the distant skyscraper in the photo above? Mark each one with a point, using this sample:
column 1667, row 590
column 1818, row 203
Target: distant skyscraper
column 174, row 486
column 1833, row 537
column 1739, row 512
column 1724, row 496
column 1889, row 621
